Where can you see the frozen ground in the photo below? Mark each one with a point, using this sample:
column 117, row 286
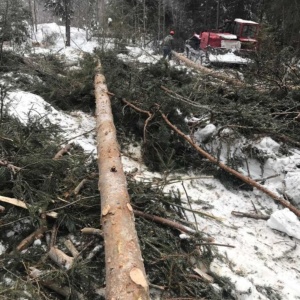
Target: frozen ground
column 264, row 262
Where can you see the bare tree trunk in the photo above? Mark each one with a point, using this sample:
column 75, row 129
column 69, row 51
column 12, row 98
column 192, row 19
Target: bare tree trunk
column 158, row 21
column 144, row 23
column 218, row 14
column 4, row 26
column 164, row 18
column 125, row 273
column 68, row 23
column 32, row 9
column 101, row 13
column 35, row 14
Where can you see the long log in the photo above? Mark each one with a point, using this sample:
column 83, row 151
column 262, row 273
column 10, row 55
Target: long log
column 125, row 273
column 245, row 179
column 207, row 71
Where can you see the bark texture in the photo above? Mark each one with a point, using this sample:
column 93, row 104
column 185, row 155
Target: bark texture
column 125, row 273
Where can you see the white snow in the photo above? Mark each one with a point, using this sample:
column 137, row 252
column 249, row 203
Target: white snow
column 292, row 184
column 76, row 127
column 228, row 36
column 244, row 21
column 2, row 249
column 262, row 257
column 203, row 134
column 139, row 54
column 78, row 39
column 285, row 221
column 229, row 57
column 268, row 146
column 37, row 242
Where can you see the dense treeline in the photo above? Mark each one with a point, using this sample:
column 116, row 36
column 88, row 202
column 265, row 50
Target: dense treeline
column 144, row 19
column 279, row 18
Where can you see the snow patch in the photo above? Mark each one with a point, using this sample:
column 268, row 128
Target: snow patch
column 229, row 58
column 204, row 134
column 292, row 184
column 285, row 221
column 268, row 146
column 77, row 127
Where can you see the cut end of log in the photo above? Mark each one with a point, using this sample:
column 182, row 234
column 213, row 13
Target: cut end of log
column 138, row 277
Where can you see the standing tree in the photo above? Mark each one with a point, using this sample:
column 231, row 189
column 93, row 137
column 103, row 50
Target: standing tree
column 62, row 8
column 32, row 9
column 13, row 23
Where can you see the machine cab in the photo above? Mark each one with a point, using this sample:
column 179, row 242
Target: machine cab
column 246, row 32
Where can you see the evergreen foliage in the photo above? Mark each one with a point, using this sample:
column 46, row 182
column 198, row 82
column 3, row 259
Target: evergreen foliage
column 13, row 21
column 42, row 183
column 57, row 6
column 71, row 89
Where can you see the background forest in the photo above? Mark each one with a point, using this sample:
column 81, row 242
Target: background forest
column 152, row 19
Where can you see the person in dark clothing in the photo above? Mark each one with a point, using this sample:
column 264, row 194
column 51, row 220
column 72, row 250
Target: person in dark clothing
column 227, row 26
column 168, row 45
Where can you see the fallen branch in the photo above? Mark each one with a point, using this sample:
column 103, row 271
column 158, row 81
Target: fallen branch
column 164, row 221
column 266, row 178
column 203, row 276
column 169, row 223
column 22, row 204
column 249, row 215
column 63, row 151
column 150, row 116
column 79, row 135
column 5, row 138
column 31, row 238
column 201, row 213
column 60, row 258
column 92, row 231
column 14, row 202
column 70, row 246
column 11, row 167
column 245, row 179
column 215, row 244
column 188, row 200
column 64, row 291
column 80, row 186
column 53, row 236
column 94, row 251
column 176, row 96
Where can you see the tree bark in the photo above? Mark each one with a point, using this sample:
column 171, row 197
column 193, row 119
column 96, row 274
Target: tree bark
column 4, row 27
column 35, row 15
column 68, row 23
column 125, row 273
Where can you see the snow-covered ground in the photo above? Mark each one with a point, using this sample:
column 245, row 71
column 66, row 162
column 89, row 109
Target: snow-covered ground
column 264, row 261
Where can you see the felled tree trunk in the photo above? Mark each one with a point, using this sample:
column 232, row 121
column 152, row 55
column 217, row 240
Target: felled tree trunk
column 207, row 71
column 125, row 273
